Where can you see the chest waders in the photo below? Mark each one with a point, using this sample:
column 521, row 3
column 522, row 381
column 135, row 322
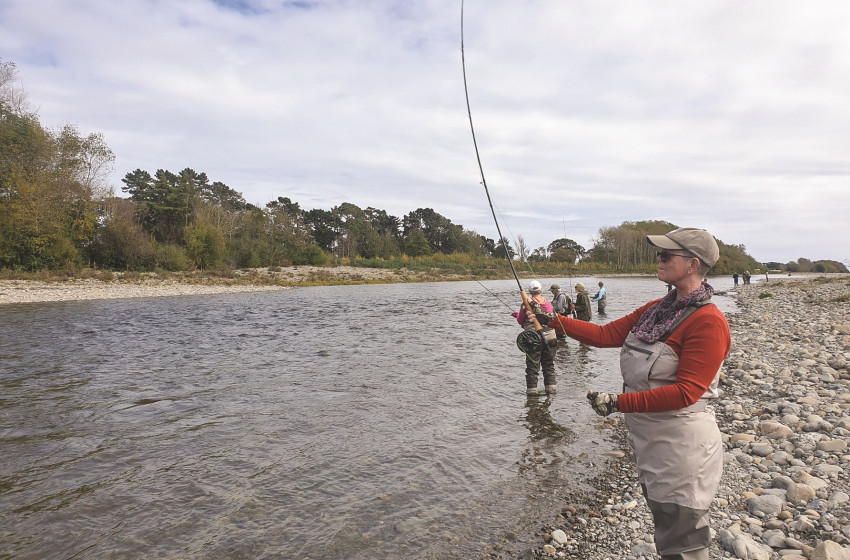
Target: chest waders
column 679, row 454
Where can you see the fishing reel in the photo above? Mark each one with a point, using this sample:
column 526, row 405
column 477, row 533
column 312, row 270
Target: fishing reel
column 530, row 342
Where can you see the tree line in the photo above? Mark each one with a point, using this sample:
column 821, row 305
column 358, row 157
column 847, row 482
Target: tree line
column 57, row 210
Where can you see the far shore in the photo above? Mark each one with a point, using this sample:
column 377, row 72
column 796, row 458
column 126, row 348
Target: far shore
column 109, row 285
column 116, row 285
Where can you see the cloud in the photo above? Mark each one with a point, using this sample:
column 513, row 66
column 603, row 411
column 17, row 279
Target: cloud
column 724, row 115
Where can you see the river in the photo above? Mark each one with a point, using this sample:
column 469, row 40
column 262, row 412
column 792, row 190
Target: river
column 352, row 422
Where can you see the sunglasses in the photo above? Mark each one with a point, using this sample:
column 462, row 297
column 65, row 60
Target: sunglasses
column 667, row 255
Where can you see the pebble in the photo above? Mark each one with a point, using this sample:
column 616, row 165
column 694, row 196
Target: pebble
column 784, row 412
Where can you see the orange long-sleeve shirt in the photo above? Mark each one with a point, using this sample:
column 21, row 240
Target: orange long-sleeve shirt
column 701, row 342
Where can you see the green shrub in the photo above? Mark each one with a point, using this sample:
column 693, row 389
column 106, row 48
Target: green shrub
column 765, row 295
column 311, row 255
column 172, row 258
column 250, row 260
column 204, row 245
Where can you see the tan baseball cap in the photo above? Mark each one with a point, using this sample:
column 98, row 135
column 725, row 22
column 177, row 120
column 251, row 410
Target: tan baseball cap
column 697, row 242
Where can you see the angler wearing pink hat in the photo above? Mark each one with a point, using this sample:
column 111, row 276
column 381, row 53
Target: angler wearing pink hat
column 541, row 355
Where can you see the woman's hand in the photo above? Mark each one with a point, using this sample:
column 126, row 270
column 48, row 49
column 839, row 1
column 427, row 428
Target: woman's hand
column 603, row 403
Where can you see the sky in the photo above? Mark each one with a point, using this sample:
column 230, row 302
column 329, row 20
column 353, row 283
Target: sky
column 725, row 115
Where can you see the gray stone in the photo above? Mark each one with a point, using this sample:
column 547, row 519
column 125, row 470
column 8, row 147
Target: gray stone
column 559, row 536
column 644, row 549
column 832, row 445
column 802, row 525
column 782, row 458
column 761, row 449
column 830, row 550
column 766, row 504
column 774, row 538
column 782, row 481
column 839, row 497
column 743, row 546
column 813, row 481
column 799, row 493
column 775, row 430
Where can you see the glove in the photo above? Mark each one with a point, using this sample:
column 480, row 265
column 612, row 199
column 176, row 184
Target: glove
column 603, row 403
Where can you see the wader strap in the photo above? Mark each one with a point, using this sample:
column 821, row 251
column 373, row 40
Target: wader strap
column 688, row 311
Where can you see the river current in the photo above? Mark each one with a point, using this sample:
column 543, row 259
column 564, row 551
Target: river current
column 352, row 422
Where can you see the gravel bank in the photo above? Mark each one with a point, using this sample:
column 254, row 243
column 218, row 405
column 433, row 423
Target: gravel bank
column 785, row 417
column 29, row 291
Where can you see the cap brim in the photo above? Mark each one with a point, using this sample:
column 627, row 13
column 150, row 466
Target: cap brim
column 663, row 242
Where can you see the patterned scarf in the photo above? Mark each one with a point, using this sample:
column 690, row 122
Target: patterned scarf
column 658, row 319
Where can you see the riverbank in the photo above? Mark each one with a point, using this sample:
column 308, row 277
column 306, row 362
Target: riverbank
column 92, row 285
column 111, row 285
column 116, row 285
column 784, row 414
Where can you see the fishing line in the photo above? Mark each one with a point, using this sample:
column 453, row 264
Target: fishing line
column 537, row 327
column 569, row 273
column 515, row 240
column 496, row 296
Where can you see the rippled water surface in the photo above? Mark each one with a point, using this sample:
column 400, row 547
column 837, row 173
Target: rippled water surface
column 334, row 422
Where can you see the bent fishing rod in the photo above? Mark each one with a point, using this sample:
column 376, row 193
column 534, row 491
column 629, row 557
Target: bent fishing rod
column 538, row 328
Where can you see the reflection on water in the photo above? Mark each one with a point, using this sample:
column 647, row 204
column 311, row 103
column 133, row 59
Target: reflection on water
column 548, row 437
column 393, row 424
column 540, row 423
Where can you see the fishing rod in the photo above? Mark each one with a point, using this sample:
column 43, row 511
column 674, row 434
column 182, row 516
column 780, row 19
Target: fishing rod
column 538, row 328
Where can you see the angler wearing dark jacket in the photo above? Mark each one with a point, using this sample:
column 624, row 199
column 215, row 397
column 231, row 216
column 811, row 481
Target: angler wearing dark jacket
column 582, row 308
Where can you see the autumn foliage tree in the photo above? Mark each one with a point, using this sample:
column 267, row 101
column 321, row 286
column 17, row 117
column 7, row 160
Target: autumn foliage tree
column 50, row 185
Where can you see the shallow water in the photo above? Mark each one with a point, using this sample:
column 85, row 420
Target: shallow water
column 332, row 422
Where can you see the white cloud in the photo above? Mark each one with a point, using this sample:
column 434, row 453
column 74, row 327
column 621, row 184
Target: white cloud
column 725, row 115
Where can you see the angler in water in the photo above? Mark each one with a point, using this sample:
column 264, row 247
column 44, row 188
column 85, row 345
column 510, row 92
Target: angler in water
column 561, row 304
column 671, row 353
column 544, row 345
column 602, row 298
column 582, row 307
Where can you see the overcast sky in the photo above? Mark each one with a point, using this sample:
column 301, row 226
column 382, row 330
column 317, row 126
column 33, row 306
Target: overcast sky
column 726, row 115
